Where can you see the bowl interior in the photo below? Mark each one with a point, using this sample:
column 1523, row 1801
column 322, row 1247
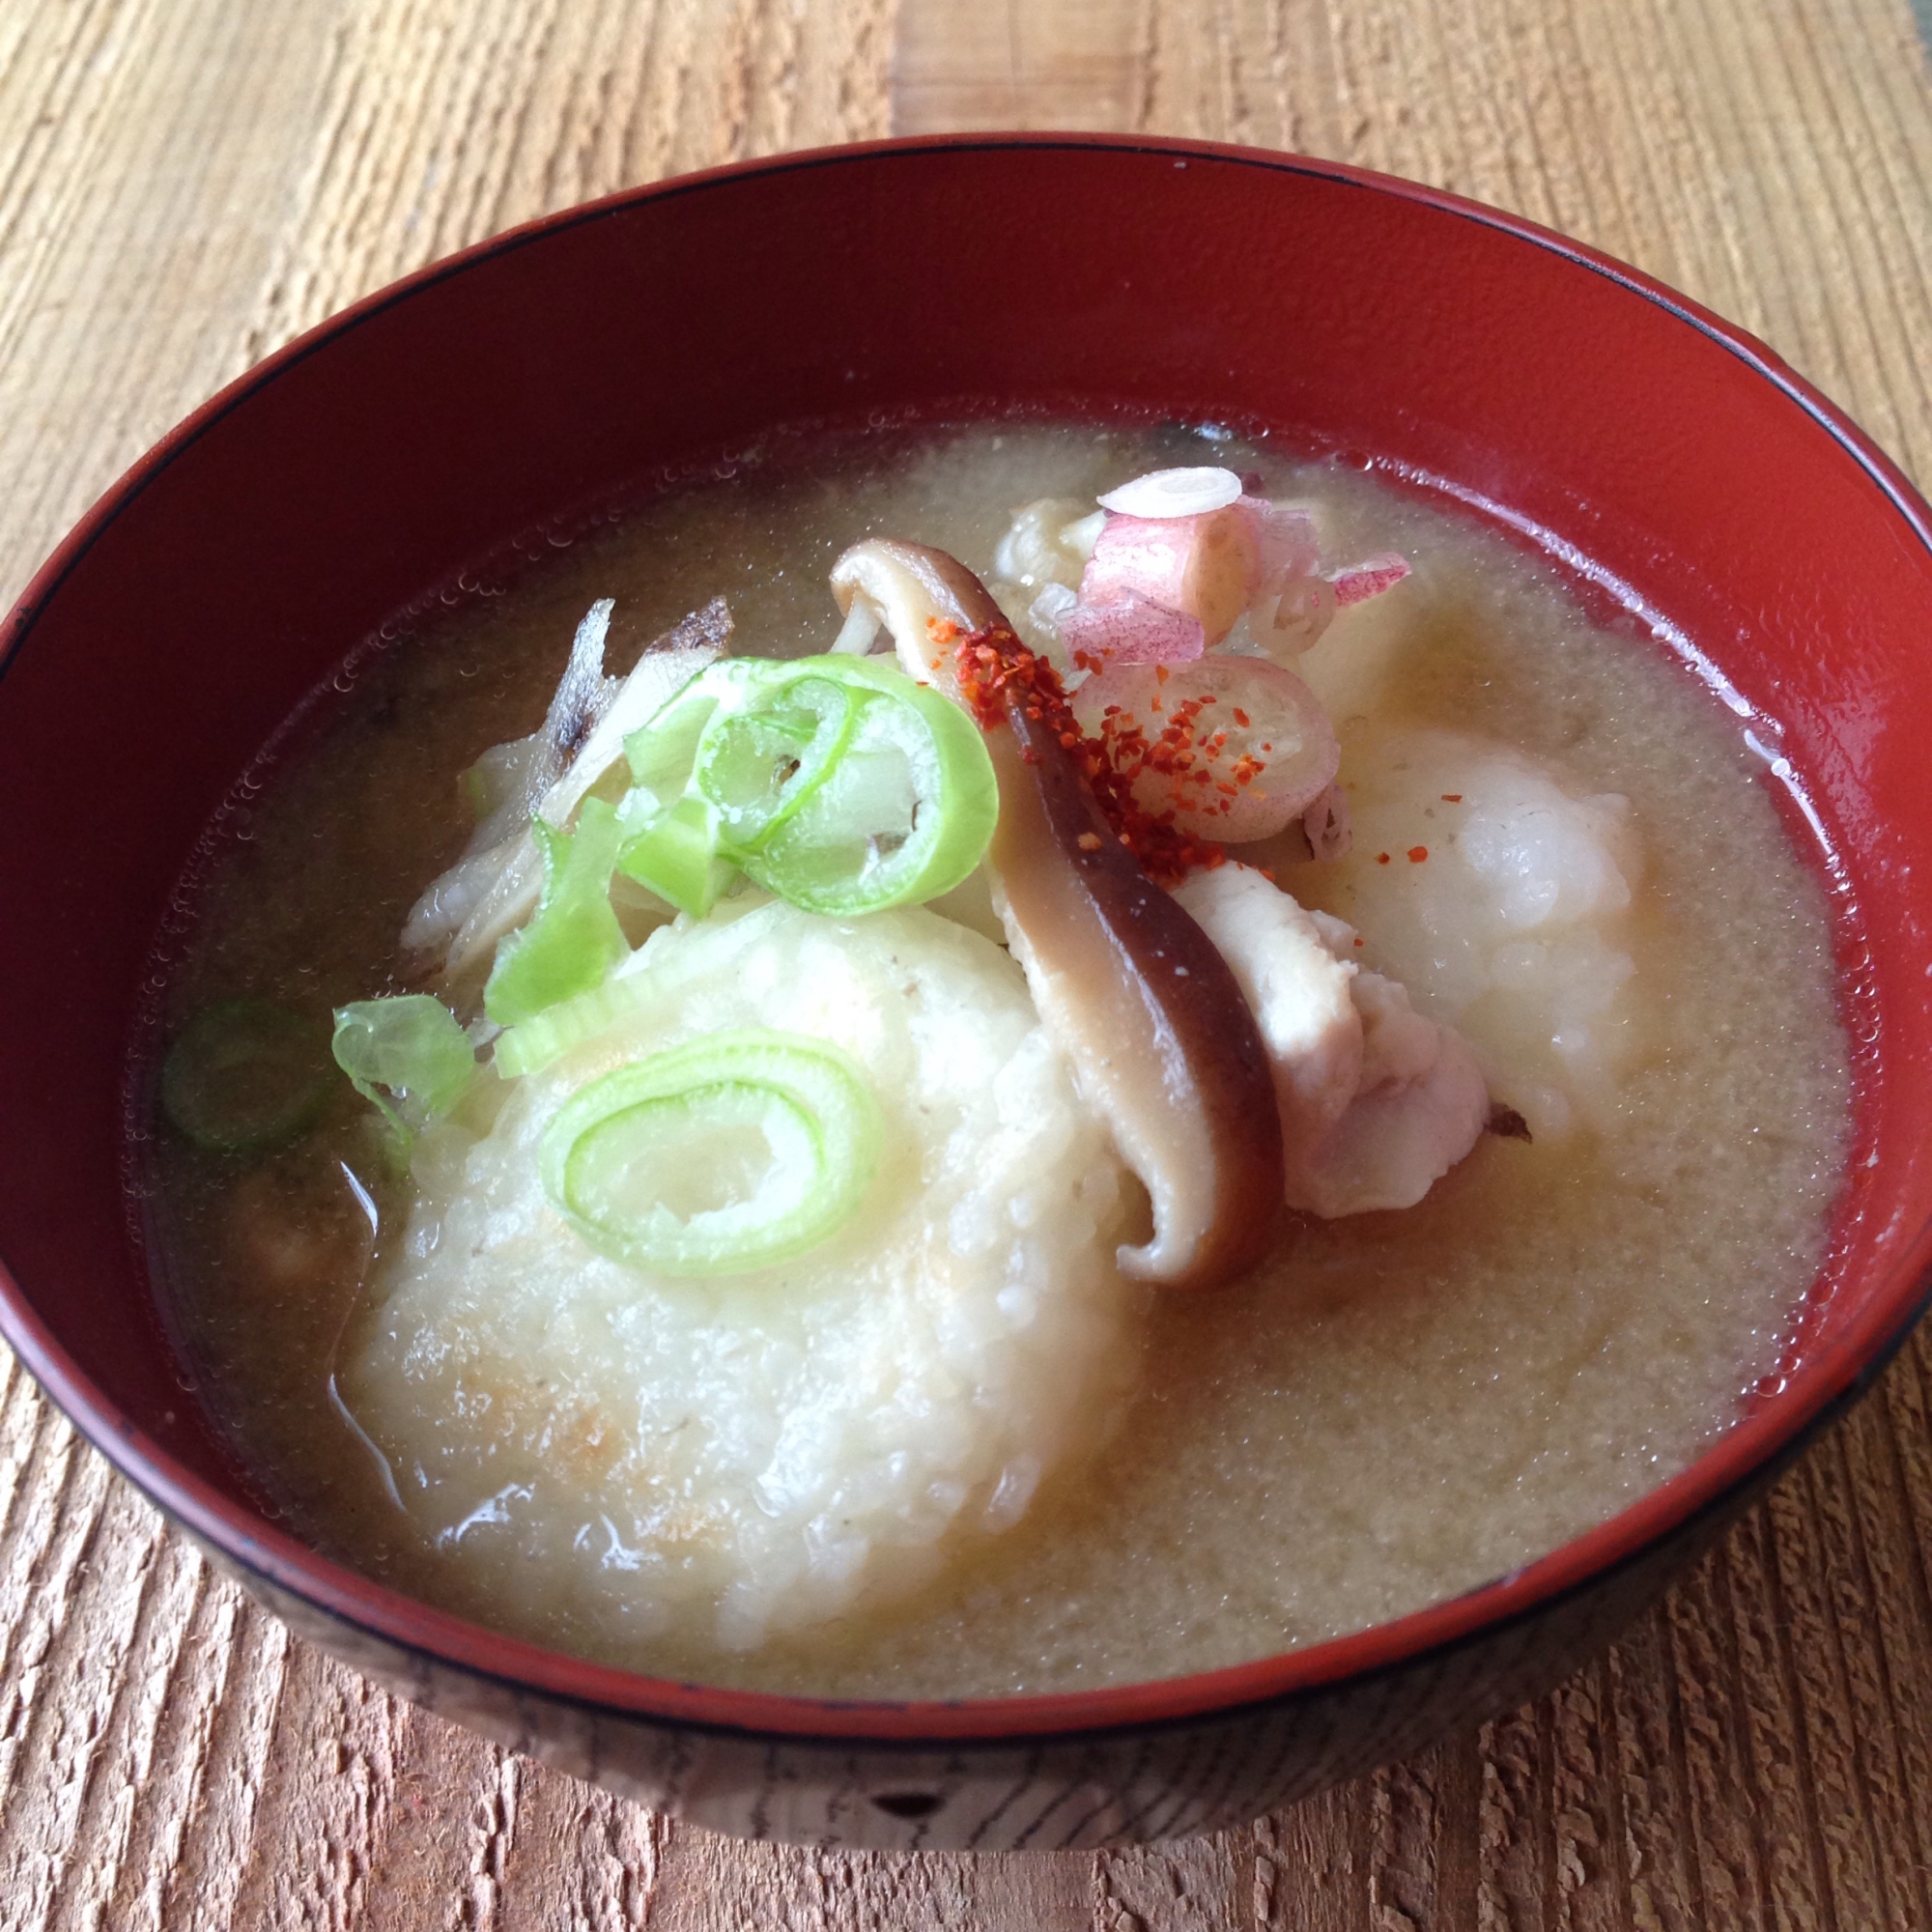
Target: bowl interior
column 233, row 568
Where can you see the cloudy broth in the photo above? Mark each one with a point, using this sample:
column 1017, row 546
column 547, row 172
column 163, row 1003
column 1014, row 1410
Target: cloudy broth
column 1397, row 1405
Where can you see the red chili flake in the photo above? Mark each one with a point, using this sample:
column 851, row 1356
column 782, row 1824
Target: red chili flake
column 1452, row 798
column 941, row 630
column 1358, row 942
column 1240, row 718
column 995, row 668
column 1160, row 674
column 1381, row 857
column 1417, row 853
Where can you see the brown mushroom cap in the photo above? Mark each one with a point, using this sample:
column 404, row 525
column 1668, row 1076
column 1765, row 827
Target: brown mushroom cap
column 913, row 587
column 1132, row 990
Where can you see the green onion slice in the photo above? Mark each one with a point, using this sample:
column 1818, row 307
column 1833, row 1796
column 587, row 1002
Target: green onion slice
column 244, row 1076
column 837, row 783
column 674, row 852
column 573, row 938
column 757, row 764
column 663, row 752
column 554, row 1032
column 412, row 1045
column 730, row 1154
column 902, row 816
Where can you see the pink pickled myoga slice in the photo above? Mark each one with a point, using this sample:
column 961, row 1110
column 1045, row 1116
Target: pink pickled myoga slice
column 1182, row 548
column 1295, row 604
column 1161, row 1040
column 1287, row 544
column 1200, row 566
column 1130, row 631
column 1294, row 622
column 1368, row 579
column 1235, row 748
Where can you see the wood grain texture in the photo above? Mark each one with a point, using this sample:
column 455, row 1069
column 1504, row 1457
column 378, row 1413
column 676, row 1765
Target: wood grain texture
column 184, row 184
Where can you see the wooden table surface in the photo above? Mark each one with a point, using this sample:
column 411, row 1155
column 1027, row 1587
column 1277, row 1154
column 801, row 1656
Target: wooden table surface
column 184, row 184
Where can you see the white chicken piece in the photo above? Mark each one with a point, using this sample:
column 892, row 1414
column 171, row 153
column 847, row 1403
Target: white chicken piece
column 1421, row 1105
column 1298, row 993
column 1377, row 1102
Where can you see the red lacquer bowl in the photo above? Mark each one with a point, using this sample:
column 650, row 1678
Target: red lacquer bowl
column 234, row 565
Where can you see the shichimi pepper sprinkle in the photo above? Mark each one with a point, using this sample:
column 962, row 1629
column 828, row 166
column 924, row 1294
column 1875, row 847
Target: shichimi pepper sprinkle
column 995, row 669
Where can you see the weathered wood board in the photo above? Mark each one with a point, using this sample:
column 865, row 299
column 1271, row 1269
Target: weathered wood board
column 184, row 184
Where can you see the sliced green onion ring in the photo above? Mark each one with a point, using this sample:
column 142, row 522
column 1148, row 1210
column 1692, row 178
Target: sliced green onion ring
column 244, row 1076
column 903, row 816
column 411, row 1044
column 735, row 1151
column 758, row 764
column 553, row 1032
column 674, row 852
column 663, row 752
column 837, row 783
column 573, row 938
